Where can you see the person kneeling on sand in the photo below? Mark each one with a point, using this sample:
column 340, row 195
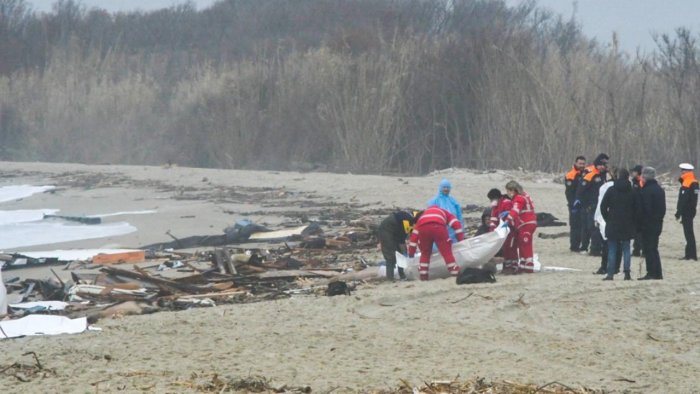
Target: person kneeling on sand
column 392, row 234
column 431, row 227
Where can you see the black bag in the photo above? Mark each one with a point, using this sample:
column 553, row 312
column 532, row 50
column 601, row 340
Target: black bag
column 475, row 275
column 337, row 288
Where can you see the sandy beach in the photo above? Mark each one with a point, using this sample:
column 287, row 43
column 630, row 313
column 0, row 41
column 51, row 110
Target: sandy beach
column 568, row 327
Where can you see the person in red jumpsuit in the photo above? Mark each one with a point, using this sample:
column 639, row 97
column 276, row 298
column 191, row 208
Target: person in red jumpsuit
column 431, row 227
column 501, row 203
column 523, row 222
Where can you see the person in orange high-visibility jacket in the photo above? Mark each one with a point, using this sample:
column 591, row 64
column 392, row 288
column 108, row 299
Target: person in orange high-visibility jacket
column 572, row 180
column 431, row 227
column 587, row 200
column 523, row 222
column 686, row 207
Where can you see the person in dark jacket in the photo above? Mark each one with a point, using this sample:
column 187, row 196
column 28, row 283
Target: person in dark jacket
column 651, row 213
column 392, row 234
column 571, row 181
column 587, row 200
column 619, row 209
column 637, row 183
column 685, row 210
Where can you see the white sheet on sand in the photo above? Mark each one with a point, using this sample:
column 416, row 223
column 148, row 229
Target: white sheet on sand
column 74, row 254
column 472, row 252
column 49, row 305
column 16, row 192
column 42, row 325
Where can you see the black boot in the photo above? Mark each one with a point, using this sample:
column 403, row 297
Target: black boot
column 627, row 275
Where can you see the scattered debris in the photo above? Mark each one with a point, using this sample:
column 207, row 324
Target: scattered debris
column 27, row 372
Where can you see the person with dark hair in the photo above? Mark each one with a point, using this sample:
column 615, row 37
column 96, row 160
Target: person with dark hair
column 523, row 223
column 571, row 181
column 587, row 200
column 619, row 209
column 685, row 209
column 392, row 233
column 637, row 184
column 501, row 203
column 431, row 226
column 484, row 226
column 652, row 211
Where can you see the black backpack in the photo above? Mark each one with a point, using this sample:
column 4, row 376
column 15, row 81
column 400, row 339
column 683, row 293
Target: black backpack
column 475, row 275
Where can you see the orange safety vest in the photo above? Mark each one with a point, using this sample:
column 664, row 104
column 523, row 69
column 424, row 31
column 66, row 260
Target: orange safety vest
column 688, row 179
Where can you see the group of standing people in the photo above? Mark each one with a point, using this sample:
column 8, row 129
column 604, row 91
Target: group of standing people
column 609, row 209
column 441, row 224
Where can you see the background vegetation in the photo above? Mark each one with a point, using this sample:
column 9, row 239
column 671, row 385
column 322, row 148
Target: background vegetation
column 343, row 85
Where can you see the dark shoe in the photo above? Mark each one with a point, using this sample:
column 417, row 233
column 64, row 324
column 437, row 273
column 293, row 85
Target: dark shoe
column 601, row 271
column 627, row 275
column 637, row 253
column 595, row 254
column 608, row 278
column 645, row 277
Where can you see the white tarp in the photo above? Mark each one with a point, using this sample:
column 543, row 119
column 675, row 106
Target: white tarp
column 472, row 252
column 74, row 254
column 16, row 192
column 42, row 325
column 49, row 305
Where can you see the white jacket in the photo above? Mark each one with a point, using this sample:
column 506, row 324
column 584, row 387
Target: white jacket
column 598, row 217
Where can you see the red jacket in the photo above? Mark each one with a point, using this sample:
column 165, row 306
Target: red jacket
column 522, row 212
column 503, row 204
column 433, row 215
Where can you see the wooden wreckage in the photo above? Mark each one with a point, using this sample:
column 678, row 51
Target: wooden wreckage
column 302, row 260
column 248, row 263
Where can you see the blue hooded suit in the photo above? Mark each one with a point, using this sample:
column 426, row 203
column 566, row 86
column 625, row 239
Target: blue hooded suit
column 448, row 203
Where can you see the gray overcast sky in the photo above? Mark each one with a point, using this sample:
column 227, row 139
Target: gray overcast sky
column 633, row 20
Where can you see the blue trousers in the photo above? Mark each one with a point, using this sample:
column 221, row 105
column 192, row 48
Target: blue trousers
column 612, row 251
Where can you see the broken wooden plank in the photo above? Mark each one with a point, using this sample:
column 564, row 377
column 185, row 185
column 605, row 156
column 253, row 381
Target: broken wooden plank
column 136, row 256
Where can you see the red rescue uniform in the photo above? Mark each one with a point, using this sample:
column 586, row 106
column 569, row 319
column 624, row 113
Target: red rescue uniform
column 523, row 222
column 430, row 228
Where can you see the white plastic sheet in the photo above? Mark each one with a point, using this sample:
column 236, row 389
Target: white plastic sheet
column 42, row 325
column 74, row 254
column 472, row 252
column 49, row 305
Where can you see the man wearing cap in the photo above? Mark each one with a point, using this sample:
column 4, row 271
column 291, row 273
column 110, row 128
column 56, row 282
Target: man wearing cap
column 392, row 233
column 685, row 210
column 652, row 212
